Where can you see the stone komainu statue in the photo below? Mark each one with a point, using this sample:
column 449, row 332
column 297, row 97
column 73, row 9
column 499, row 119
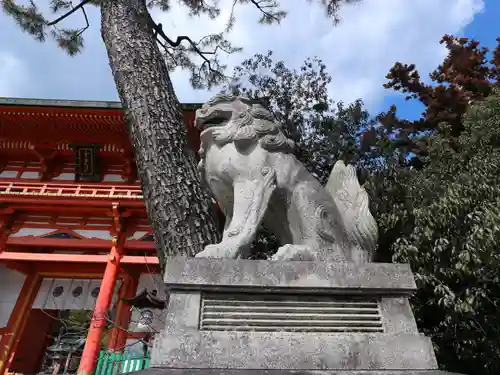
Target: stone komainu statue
column 249, row 166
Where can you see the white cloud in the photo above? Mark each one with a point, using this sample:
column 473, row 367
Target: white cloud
column 359, row 52
column 13, row 75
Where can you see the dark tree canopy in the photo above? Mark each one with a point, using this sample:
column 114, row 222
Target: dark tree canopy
column 439, row 211
column 467, row 75
column 445, row 221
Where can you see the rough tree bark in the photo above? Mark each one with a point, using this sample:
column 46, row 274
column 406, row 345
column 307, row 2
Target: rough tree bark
column 179, row 208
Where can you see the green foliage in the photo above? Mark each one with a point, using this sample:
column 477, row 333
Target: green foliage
column 199, row 57
column 445, row 222
column 440, row 211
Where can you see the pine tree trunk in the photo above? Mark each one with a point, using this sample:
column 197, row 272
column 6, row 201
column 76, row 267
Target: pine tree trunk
column 178, row 207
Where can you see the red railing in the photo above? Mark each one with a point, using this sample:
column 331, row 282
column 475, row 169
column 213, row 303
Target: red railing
column 70, row 190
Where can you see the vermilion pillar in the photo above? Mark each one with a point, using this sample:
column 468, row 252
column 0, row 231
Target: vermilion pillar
column 118, row 335
column 99, row 317
column 113, row 333
column 18, row 319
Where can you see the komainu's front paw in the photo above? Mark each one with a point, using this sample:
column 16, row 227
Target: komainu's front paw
column 217, row 251
column 294, row 252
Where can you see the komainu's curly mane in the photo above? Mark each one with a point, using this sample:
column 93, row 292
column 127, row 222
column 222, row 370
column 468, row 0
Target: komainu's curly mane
column 250, row 120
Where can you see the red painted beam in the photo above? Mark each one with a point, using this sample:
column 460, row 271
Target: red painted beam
column 80, row 202
column 68, row 185
column 70, row 258
column 55, row 208
column 24, row 268
column 88, row 243
column 92, row 270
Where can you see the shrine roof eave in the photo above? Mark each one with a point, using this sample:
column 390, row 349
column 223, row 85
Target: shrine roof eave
column 82, row 104
column 68, row 121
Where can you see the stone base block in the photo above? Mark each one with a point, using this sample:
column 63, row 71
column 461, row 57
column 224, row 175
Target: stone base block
column 228, row 316
column 172, row 371
column 293, row 350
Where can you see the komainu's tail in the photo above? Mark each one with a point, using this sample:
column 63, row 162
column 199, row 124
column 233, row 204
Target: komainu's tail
column 353, row 202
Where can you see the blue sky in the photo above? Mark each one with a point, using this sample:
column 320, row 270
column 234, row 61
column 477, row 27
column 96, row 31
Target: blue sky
column 359, row 52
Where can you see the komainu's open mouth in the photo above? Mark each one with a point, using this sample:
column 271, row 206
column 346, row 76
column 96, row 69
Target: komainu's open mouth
column 211, row 118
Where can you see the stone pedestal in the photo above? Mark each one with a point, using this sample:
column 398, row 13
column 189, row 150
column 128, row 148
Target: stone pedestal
column 266, row 317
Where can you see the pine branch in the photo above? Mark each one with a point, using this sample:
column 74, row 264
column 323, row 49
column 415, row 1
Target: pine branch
column 261, row 8
column 70, row 12
column 70, row 40
column 158, row 30
column 33, row 22
column 169, row 44
column 268, row 17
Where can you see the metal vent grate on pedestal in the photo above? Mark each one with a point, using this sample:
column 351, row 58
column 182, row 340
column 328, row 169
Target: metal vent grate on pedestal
column 220, row 312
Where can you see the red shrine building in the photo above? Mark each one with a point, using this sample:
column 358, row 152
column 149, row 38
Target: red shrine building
column 75, row 242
